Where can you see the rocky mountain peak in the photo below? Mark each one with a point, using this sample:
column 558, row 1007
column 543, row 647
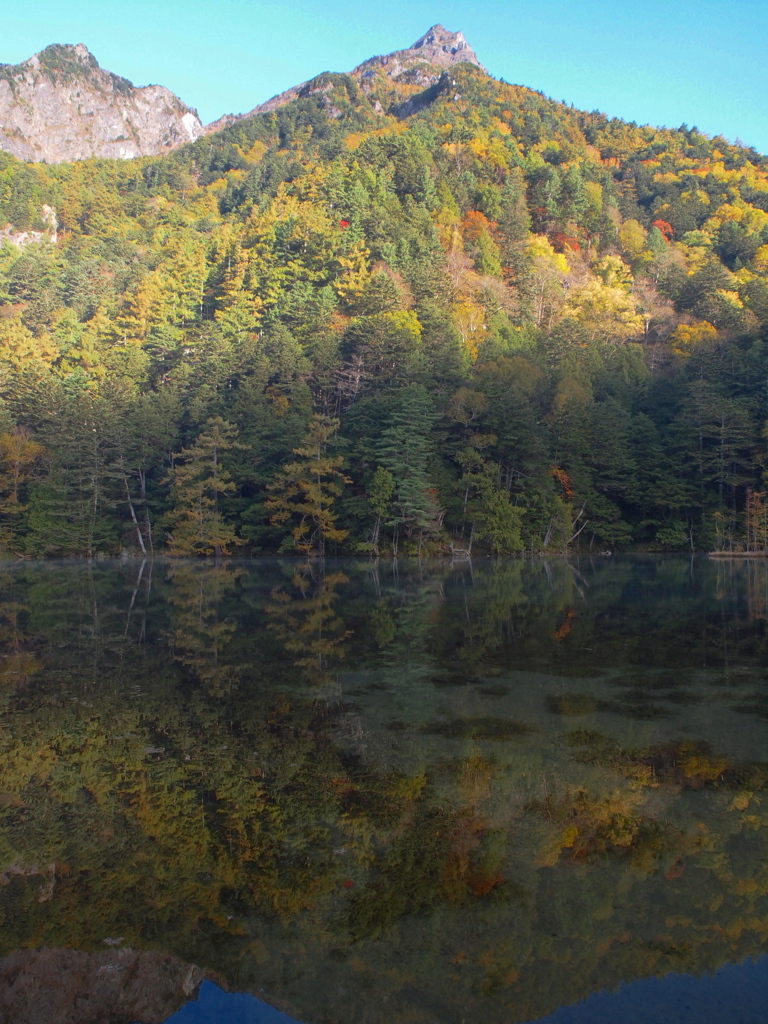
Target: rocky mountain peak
column 442, row 47
column 63, row 56
column 421, row 65
column 60, row 105
column 437, row 48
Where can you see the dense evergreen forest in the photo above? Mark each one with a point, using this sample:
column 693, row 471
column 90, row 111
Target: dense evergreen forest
column 389, row 321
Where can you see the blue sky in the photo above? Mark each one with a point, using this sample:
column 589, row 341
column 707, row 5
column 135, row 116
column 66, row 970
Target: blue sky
column 655, row 61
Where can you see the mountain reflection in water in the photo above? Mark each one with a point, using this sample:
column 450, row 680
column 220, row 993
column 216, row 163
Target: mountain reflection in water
column 414, row 792
column 736, row 994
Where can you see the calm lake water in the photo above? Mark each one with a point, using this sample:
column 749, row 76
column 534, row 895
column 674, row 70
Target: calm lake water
column 433, row 793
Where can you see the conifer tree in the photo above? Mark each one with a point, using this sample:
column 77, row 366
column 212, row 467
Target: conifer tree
column 198, row 523
column 18, row 455
column 405, row 450
column 306, row 490
column 380, row 493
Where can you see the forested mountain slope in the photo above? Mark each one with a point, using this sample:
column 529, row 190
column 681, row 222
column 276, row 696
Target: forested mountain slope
column 389, row 317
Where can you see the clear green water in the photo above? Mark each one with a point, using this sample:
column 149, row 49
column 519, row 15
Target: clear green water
column 430, row 793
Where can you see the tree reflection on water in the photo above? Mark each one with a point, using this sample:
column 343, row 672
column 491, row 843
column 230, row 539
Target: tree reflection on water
column 386, row 793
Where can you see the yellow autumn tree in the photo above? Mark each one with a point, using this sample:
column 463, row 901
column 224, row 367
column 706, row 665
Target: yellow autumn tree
column 549, row 270
column 632, row 238
column 19, row 346
column 608, row 312
column 470, row 319
column 687, row 337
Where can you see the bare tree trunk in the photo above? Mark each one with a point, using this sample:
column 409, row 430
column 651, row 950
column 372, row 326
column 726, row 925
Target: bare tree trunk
column 133, row 512
column 578, row 517
column 149, row 531
column 548, row 534
column 375, row 535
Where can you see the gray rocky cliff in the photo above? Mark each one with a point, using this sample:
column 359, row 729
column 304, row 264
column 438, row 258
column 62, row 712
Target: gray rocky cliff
column 60, row 105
